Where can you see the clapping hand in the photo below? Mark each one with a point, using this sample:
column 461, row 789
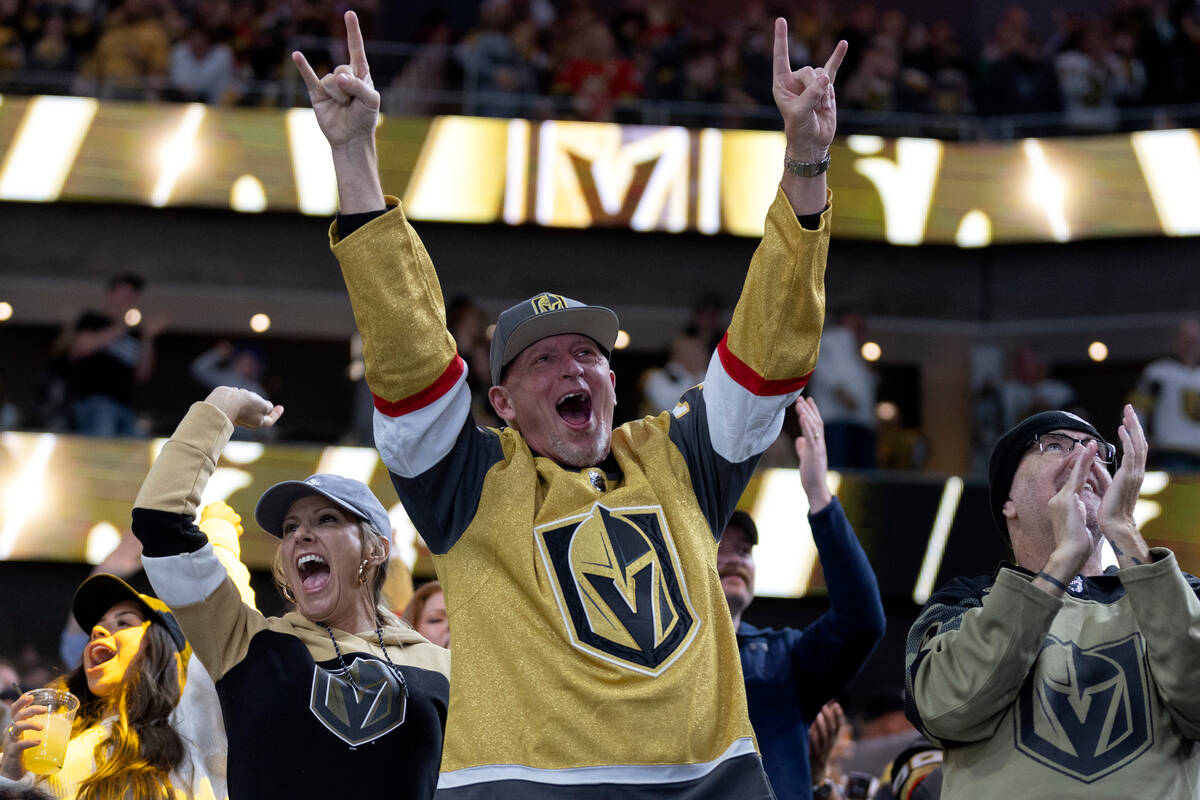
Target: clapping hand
column 810, row 448
column 1120, row 495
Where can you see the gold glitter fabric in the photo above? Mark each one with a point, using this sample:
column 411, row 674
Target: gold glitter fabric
column 400, row 315
column 779, row 340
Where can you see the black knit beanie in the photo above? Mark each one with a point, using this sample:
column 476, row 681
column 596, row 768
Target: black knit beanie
column 1009, row 449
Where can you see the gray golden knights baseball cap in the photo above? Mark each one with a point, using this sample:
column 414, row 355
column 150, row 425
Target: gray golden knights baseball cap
column 543, row 315
column 346, row 493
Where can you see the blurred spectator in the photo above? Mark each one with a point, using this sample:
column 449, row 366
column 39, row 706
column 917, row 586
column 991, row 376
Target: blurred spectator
column 1167, row 40
column 12, row 53
column 52, row 52
column 108, row 354
column 754, row 30
column 708, row 321
column 241, row 366
column 597, row 77
column 133, row 53
column 883, row 731
column 227, row 365
column 899, row 445
column 415, row 88
column 1013, row 77
column 938, row 55
column 687, row 361
column 492, row 63
column 1030, row 391
column 872, row 87
column 201, row 70
column 1094, row 80
column 844, row 387
column 468, row 324
column 1168, row 400
column 858, row 32
column 426, row 613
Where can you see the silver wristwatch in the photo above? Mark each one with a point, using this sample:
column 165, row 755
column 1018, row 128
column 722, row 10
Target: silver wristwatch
column 805, row 169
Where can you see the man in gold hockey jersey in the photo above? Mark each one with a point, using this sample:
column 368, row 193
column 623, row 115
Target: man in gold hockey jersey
column 593, row 653
column 1056, row 677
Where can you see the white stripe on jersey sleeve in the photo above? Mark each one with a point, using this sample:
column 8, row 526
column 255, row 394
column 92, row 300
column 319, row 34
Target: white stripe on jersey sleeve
column 741, row 424
column 412, row 443
column 187, row 578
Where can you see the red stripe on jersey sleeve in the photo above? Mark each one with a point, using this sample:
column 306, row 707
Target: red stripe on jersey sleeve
column 750, row 380
column 427, row 396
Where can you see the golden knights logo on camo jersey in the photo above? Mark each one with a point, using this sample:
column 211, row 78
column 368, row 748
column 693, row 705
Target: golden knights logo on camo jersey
column 362, row 711
column 548, row 302
column 1085, row 712
column 617, row 580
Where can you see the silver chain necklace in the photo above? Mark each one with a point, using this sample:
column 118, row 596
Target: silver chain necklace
column 345, row 668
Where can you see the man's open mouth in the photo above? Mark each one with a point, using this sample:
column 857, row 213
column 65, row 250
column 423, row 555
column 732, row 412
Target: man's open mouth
column 575, row 409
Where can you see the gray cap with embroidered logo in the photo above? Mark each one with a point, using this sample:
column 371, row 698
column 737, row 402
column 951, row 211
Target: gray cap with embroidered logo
column 346, row 493
column 545, row 315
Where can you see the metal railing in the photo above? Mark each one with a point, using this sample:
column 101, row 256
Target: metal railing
column 426, row 80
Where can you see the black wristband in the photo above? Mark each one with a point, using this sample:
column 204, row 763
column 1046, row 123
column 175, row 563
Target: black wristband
column 1053, row 581
column 810, row 222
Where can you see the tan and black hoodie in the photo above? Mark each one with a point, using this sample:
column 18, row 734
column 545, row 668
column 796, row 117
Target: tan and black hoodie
column 297, row 725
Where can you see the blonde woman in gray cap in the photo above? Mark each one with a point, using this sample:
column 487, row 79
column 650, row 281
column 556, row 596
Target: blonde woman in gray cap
column 335, row 697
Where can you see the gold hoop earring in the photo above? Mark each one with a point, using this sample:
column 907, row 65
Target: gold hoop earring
column 287, row 592
column 362, row 572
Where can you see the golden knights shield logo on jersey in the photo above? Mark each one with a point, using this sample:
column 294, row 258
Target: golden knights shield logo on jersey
column 361, row 710
column 1085, row 712
column 618, row 585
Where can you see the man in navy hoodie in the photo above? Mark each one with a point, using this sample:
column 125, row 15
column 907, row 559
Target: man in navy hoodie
column 791, row 673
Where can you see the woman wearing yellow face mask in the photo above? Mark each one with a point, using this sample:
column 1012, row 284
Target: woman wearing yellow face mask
column 124, row 742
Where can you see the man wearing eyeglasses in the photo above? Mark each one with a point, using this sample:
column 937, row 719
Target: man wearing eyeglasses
column 1056, row 677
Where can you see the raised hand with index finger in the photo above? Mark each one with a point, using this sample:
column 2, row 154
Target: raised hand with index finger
column 805, row 99
column 345, row 100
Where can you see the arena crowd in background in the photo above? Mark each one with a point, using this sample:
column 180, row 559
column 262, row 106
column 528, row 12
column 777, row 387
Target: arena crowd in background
column 613, row 60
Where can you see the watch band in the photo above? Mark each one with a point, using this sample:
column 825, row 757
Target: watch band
column 805, row 169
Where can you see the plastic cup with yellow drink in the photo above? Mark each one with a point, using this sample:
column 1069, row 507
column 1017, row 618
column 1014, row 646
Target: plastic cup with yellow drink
column 46, row 757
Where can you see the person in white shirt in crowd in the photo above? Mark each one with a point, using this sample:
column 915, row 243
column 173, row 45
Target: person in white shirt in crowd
column 201, row 69
column 1167, row 398
column 1029, row 391
column 844, row 389
column 662, row 387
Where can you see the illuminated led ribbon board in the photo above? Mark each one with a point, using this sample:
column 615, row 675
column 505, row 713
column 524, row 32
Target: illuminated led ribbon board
column 68, row 499
column 906, row 191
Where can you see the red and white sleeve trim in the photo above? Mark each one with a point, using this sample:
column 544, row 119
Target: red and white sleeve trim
column 751, row 381
column 427, row 396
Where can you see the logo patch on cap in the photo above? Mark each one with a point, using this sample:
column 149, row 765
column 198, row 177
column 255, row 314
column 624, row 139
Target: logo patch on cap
column 313, row 481
column 548, row 302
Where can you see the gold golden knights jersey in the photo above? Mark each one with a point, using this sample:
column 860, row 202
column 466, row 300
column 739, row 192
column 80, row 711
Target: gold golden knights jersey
column 594, row 655
column 1091, row 695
